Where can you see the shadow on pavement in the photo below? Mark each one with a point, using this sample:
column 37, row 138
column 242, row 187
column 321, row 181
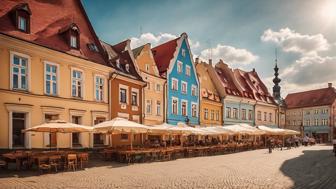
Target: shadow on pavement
column 312, row 169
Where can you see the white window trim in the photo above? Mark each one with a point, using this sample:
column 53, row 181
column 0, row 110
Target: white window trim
column 149, row 113
column 177, row 105
column 179, row 63
column 194, row 103
column 186, row 101
column 83, row 82
column 158, row 113
column 172, row 84
column 94, row 84
column 194, row 87
column 57, row 77
column 28, row 78
column 183, row 82
column 136, row 91
column 189, row 67
column 121, row 86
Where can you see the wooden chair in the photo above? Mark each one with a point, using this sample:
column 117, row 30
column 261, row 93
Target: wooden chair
column 72, row 161
column 43, row 163
column 54, row 161
column 83, row 158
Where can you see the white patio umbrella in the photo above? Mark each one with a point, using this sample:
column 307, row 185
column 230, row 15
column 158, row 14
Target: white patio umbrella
column 237, row 129
column 255, row 130
column 121, row 125
column 272, row 131
column 59, row 126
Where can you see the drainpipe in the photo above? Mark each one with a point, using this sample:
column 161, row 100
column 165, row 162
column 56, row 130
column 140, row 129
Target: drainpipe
column 165, row 102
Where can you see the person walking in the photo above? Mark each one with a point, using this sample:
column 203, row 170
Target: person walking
column 269, row 144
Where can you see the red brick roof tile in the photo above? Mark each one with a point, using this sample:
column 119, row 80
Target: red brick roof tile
column 318, row 97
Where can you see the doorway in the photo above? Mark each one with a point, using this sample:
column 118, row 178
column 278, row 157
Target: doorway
column 19, row 123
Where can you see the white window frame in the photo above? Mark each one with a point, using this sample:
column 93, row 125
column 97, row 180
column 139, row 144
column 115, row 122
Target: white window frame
column 25, row 23
column 194, row 103
column 179, row 66
column 137, row 92
column 188, row 70
column 177, row 105
column 121, row 86
column 193, row 87
column 73, row 39
column 158, row 108
column 186, row 102
column 156, row 87
column 172, row 84
column 150, row 103
column 83, row 82
column 28, row 79
column 57, row 78
column 206, row 113
column 183, row 52
column 186, row 86
column 95, row 86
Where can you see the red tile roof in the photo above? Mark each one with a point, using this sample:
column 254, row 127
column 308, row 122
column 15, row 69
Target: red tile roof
column 46, row 20
column 163, row 54
column 227, row 79
column 318, row 97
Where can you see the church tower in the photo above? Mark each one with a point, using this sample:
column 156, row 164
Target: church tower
column 276, row 81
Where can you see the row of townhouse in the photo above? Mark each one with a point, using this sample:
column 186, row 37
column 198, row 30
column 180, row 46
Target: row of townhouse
column 232, row 96
column 312, row 112
column 53, row 66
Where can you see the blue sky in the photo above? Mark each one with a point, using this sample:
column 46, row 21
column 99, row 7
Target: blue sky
column 243, row 33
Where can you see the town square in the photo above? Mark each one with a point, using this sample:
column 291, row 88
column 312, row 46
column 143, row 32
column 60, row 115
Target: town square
column 176, row 94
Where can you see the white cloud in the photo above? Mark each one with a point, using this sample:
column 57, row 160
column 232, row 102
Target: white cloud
column 151, row 38
column 229, row 54
column 291, row 41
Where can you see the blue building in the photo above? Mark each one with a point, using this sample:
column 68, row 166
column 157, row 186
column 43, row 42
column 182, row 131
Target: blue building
column 175, row 63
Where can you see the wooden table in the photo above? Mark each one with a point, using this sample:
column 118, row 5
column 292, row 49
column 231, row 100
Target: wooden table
column 9, row 157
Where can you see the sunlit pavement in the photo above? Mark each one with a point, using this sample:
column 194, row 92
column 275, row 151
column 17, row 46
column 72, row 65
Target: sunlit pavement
column 303, row 167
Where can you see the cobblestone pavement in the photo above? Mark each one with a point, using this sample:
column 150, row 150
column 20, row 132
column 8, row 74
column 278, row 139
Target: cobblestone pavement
column 303, row 167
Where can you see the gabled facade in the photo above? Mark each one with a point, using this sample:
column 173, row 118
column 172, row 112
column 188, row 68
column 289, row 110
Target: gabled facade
column 52, row 67
column 210, row 102
column 126, row 83
column 175, row 63
column 312, row 112
column 238, row 101
column 153, row 94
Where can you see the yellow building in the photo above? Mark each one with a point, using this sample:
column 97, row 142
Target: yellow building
column 50, row 71
column 210, row 103
column 153, row 94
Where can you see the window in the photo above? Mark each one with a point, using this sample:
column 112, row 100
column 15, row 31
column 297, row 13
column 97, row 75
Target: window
column 122, row 95
column 250, row 114
column 183, row 52
column 22, row 23
column 270, row 117
column 77, row 83
column 51, row 74
column 259, row 115
column 19, row 68
column 184, row 108
column 308, row 112
column 149, row 106
column 18, row 124
column 148, row 85
column 158, row 108
column 158, row 87
column 93, row 47
column 99, row 83
column 324, row 122
column 193, row 90
column 187, row 70
column 175, row 104
column 73, row 41
column 75, row 136
column 134, row 98
column 235, row 113
column 52, row 140
column 316, row 111
column 324, row 111
column 194, row 110
column 228, row 112
column 212, row 114
column 206, row 114
column 265, row 116
column 174, row 84
column 316, row 122
column 244, row 114
column 184, row 87
column 127, row 66
column 147, row 67
column 179, row 66
column 217, row 115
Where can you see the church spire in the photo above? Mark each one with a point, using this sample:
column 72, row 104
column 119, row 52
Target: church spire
column 276, row 80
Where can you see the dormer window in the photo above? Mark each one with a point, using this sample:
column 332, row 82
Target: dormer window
column 71, row 35
column 73, row 41
column 93, row 47
column 118, row 63
column 21, row 17
column 127, row 67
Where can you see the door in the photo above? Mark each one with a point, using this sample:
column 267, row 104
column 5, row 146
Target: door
column 18, row 138
column 98, row 138
column 52, row 136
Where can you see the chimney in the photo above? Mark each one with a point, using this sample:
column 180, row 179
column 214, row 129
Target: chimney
column 210, row 62
column 196, row 60
column 253, row 69
column 329, row 85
